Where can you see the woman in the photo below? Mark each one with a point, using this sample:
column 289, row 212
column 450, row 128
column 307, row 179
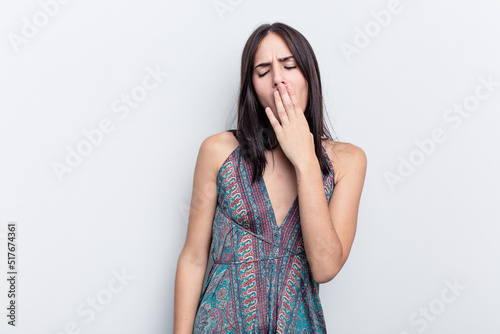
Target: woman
column 264, row 201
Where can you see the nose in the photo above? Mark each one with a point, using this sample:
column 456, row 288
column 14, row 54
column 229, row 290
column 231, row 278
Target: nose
column 275, row 85
column 278, row 77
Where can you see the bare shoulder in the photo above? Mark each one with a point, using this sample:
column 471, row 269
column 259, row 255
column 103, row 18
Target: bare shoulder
column 217, row 148
column 345, row 157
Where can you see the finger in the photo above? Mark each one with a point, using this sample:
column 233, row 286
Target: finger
column 274, row 122
column 282, row 114
column 295, row 101
column 287, row 101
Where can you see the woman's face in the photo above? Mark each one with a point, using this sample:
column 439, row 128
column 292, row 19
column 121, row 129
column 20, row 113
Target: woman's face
column 274, row 63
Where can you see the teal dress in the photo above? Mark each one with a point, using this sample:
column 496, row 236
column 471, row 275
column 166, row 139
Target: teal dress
column 260, row 281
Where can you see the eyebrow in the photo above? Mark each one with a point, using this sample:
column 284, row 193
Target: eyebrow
column 279, row 59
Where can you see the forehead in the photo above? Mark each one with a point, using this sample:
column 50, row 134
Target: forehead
column 270, row 47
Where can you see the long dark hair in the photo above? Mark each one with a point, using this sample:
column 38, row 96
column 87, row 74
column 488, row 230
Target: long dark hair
column 254, row 132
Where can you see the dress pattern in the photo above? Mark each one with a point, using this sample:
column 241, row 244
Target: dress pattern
column 260, row 280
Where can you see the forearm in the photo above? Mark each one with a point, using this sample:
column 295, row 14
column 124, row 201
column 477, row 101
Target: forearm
column 321, row 242
column 188, row 286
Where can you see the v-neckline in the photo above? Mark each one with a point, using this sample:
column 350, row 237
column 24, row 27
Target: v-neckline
column 270, row 205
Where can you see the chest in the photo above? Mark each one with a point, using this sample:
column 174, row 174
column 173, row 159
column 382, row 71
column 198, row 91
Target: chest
column 280, row 183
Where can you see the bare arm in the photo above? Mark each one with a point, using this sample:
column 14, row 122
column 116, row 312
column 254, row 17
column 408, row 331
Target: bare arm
column 328, row 229
column 193, row 259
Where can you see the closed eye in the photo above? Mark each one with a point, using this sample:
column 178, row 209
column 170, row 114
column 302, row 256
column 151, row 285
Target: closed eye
column 287, row 67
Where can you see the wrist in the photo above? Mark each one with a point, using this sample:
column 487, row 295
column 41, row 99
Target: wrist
column 308, row 166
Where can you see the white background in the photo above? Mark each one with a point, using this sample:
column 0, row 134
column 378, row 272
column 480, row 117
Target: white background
column 123, row 207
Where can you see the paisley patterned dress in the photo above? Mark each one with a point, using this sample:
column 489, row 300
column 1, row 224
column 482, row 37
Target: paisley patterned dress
column 260, row 281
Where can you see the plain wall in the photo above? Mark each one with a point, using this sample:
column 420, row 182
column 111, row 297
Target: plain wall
column 415, row 84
